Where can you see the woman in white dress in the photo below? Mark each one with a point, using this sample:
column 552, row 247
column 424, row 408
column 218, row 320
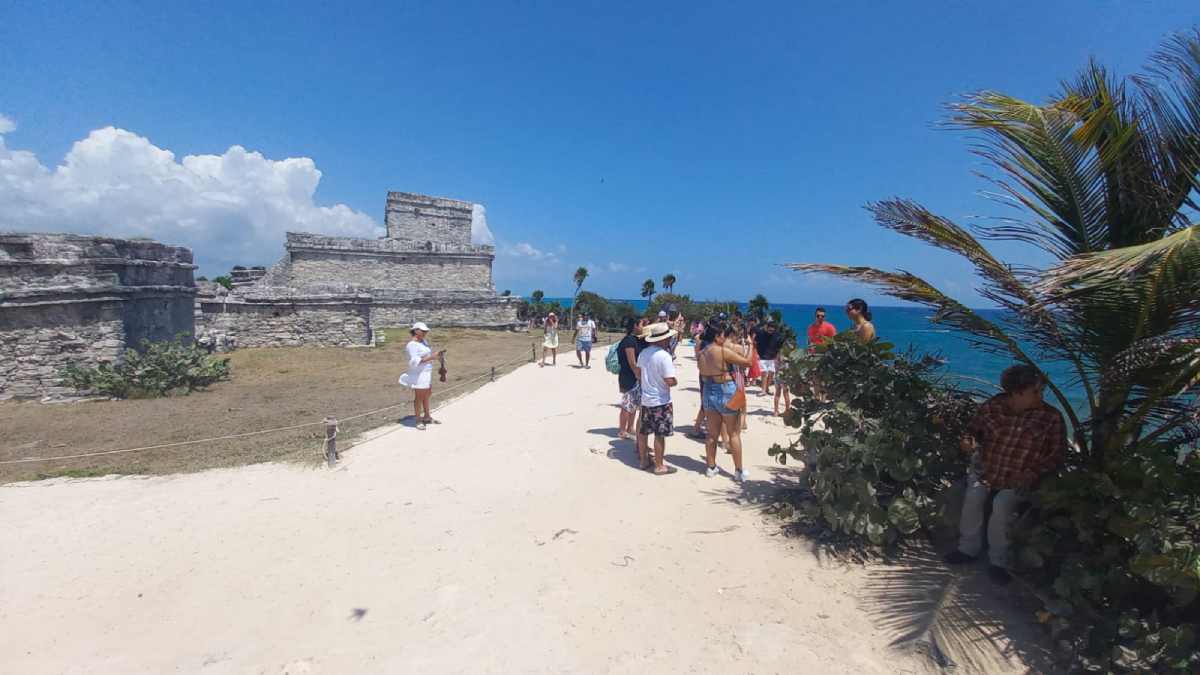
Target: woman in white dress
column 550, row 340
column 420, row 374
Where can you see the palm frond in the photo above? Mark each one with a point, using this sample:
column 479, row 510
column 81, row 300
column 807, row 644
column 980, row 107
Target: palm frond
column 949, row 312
column 1005, row 285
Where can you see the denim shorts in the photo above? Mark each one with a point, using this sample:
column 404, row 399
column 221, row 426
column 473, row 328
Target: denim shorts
column 715, row 396
column 583, row 346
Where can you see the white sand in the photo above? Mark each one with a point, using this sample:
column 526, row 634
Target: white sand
column 506, row 540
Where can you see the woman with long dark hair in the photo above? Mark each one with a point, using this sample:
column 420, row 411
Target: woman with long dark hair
column 860, row 316
column 627, row 380
column 718, row 363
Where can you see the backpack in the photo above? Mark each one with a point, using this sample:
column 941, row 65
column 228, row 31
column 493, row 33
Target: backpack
column 612, row 360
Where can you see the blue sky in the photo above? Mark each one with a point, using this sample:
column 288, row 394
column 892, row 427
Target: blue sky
column 713, row 141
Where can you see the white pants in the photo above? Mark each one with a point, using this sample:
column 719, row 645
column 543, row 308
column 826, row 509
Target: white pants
column 970, row 524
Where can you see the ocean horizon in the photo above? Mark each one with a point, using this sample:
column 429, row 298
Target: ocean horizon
column 911, row 328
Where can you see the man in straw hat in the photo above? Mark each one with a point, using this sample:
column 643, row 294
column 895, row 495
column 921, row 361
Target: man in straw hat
column 657, row 414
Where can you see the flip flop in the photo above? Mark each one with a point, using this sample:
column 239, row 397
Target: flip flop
column 669, row 470
column 420, row 426
column 430, row 420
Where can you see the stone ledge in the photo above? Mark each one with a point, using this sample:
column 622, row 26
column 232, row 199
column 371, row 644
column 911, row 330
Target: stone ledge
column 316, row 242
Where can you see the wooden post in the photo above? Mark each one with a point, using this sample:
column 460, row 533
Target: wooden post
column 493, row 373
column 331, row 453
column 533, row 352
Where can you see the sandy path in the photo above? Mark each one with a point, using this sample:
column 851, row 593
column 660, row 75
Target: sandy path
column 513, row 538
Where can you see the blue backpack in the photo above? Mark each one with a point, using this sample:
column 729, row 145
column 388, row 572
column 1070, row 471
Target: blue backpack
column 612, row 360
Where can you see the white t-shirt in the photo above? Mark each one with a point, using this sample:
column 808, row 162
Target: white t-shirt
column 656, row 365
column 587, row 330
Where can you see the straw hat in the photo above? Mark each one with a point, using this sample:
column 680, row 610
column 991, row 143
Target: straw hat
column 657, row 332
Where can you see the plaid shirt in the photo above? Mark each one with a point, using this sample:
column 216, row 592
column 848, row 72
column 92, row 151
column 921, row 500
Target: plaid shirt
column 1015, row 449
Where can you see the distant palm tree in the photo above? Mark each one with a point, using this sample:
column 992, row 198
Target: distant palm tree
column 581, row 275
column 648, row 289
column 668, row 282
column 758, row 306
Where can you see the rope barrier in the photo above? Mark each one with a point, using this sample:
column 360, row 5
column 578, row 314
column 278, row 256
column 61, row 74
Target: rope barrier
column 27, row 460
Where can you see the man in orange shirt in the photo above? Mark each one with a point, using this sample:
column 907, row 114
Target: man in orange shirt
column 820, row 330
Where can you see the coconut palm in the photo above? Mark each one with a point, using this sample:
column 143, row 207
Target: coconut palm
column 1103, row 179
column 581, row 275
column 668, row 282
column 648, row 289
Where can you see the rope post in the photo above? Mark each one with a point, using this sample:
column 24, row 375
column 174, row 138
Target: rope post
column 532, row 352
column 493, row 373
column 331, row 429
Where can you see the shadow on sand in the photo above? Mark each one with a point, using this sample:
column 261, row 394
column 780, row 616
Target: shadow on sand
column 955, row 618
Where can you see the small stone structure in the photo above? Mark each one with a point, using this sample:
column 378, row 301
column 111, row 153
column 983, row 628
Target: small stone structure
column 425, row 269
column 70, row 299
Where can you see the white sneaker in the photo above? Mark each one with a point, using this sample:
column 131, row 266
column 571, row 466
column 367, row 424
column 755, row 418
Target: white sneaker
column 741, row 475
column 712, row 471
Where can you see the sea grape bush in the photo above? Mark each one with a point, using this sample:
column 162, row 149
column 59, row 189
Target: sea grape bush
column 159, row 369
column 1114, row 550
column 1118, row 550
column 881, row 442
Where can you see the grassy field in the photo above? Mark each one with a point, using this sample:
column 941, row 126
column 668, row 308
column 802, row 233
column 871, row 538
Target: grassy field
column 269, row 388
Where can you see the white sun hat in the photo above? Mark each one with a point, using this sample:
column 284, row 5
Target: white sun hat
column 420, row 326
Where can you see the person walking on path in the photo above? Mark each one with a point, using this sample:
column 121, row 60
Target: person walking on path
column 860, row 317
column 585, row 335
column 657, row 415
column 718, row 364
column 819, row 330
column 627, row 380
column 781, row 387
column 768, row 341
column 1016, row 438
column 419, row 376
column 550, row 340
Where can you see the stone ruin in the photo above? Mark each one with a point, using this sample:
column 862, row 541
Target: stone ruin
column 70, row 299
column 336, row 290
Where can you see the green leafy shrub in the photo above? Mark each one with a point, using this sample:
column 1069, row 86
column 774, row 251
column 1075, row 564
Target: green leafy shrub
column 881, row 443
column 1118, row 550
column 158, row 369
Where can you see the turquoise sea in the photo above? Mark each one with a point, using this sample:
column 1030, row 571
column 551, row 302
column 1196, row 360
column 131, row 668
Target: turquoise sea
column 910, row 327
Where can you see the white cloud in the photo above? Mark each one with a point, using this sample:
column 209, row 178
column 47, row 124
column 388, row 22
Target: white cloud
column 229, row 208
column 526, row 250
column 481, row 234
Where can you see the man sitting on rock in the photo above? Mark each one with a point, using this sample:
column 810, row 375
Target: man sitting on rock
column 1016, row 438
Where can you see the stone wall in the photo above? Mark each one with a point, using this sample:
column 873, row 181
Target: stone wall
column 70, row 299
column 421, row 218
column 37, row 343
column 489, row 313
column 315, row 261
column 286, row 321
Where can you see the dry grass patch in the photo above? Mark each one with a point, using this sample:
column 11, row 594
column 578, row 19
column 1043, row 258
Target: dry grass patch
column 270, row 388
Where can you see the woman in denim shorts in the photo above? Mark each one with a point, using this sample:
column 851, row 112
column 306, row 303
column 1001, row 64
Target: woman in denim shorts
column 717, row 363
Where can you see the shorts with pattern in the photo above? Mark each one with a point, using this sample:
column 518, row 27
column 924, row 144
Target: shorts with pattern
column 658, row 420
column 631, row 400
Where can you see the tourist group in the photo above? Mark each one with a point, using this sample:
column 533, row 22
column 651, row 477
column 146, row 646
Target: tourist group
column 1014, row 439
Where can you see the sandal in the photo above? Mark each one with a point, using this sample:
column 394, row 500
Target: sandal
column 420, row 426
column 430, row 420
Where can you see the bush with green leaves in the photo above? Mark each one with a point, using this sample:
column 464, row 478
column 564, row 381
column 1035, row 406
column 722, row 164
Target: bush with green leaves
column 881, row 443
column 157, row 369
column 1118, row 551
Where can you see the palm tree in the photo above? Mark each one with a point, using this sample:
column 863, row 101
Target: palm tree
column 1104, row 178
column 648, row 289
column 537, row 296
column 579, row 277
column 758, row 306
column 668, row 282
